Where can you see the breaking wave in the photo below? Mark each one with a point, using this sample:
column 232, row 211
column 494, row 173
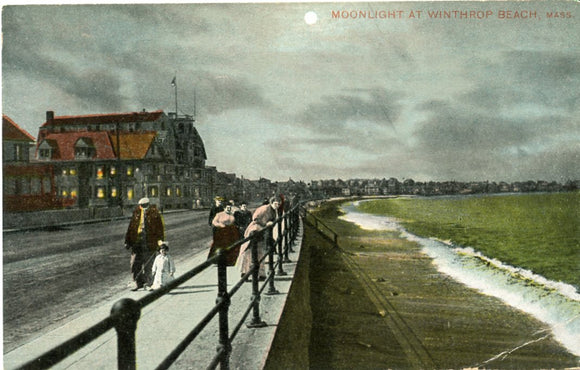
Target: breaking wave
column 555, row 303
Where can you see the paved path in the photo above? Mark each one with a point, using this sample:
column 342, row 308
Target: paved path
column 165, row 322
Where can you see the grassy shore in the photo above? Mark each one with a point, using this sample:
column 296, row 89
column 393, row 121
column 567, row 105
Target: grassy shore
column 539, row 232
column 379, row 303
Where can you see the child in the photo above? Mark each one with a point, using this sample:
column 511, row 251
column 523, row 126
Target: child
column 163, row 267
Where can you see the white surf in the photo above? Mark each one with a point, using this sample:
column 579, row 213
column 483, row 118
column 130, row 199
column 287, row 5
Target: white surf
column 555, row 303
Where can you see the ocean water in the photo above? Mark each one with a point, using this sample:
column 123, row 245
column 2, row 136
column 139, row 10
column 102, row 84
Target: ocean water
column 554, row 303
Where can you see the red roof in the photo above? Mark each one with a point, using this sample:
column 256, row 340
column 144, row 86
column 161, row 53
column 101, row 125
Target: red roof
column 11, row 131
column 104, row 118
column 133, row 145
column 65, row 142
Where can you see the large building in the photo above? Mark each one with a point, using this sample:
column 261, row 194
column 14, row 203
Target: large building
column 115, row 159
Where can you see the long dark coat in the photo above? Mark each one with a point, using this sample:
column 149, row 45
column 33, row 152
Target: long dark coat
column 154, row 226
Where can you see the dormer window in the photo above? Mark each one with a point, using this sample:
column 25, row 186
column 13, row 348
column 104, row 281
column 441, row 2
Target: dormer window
column 84, row 148
column 45, row 151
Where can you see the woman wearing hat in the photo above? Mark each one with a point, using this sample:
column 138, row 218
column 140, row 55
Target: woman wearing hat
column 263, row 217
column 225, row 234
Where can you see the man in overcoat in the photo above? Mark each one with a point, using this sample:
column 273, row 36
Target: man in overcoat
column 243, row 218
column 216, row 208
column 145, row 229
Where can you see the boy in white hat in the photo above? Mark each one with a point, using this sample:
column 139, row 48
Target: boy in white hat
column 163, row 267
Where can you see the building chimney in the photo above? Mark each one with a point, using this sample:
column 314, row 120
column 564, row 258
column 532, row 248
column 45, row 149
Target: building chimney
column 49, row 115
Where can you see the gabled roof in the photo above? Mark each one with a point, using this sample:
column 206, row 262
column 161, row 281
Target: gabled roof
column 11, row 131
column 104, row 118
column 64, row 144
column 133, row 145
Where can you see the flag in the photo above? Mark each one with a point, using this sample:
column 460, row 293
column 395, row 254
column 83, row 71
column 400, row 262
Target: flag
column 173, row 83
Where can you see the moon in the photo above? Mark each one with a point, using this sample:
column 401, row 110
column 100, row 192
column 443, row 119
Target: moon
column 310, row 18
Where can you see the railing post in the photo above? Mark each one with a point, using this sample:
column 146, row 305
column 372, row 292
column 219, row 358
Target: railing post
column 294, row 228
column 287, row 240
column 224, row 299
column 269, row 242
column 278, row 248
column 126, row 313
column 256, row 320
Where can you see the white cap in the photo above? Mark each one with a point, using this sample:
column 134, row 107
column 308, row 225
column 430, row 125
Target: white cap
column 143, row 201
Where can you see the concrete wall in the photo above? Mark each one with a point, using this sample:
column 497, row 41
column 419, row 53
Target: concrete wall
column 22, row 220
column 291, row 343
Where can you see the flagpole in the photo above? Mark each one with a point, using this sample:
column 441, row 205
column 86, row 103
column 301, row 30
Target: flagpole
column 175, row 87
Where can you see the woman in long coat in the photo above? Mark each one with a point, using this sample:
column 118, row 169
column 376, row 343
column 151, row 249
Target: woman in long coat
column 263, row 217
column 225, row 234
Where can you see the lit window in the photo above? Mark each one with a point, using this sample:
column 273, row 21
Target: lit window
column 64, row 172
column 64, row 193
column 73, row 193
column 113, row 192
column 100, row 172
column 178, row 191
column 168, row 191
column 130, row 193
column 100, row 192
column 129, row 171
column 113, row 171
column 153, row 191
column 73, row 172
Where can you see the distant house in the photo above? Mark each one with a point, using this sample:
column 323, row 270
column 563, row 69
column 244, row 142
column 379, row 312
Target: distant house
column 25, row 186
column 16, row 142
column 372, row 187
column 117, row 158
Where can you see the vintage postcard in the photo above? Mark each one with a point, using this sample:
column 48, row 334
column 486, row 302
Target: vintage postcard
column 130, row 125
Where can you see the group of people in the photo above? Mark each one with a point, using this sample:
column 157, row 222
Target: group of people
column 230, row 225
column 151, row 264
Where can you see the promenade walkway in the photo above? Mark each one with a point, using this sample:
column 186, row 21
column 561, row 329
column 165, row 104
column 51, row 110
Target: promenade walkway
column 165, row 322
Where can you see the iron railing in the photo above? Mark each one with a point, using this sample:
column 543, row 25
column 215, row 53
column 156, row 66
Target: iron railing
column 324, row 230
column 126, row 312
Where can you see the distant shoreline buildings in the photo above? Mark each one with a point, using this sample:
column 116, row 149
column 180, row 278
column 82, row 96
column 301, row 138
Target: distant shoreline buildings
column 112, row 160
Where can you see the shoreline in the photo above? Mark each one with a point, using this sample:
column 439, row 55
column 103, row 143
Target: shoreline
column 457, row 326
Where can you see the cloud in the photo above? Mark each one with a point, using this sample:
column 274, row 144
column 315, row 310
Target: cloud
column 378, row 106
column 423, row 98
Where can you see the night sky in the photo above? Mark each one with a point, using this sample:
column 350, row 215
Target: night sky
column 327, row 96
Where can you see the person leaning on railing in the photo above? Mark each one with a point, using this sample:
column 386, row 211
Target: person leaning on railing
column 263, row 217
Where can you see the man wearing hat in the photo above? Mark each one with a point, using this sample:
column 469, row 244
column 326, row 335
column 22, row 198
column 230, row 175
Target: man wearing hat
column 243, row 217
column 145, row 229
column 216, row 208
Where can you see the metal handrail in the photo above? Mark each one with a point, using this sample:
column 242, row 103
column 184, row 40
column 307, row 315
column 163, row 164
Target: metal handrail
column 318, row 223
column 126, row 312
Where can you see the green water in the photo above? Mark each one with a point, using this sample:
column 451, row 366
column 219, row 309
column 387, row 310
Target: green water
column 539, row 232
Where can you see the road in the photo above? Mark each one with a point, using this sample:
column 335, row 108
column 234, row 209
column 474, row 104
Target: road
column 53, row 275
